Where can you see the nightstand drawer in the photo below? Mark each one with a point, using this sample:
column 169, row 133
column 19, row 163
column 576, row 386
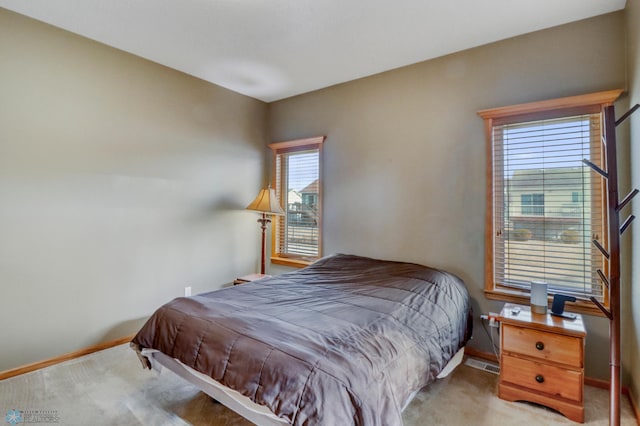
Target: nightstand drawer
column 551, row 380
column 545, row 346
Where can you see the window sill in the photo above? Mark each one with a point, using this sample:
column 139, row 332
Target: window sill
column 523, row 298
column 290, row 261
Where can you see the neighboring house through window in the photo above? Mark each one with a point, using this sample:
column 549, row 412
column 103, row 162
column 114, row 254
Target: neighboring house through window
column 296, row 240
column 544, row 206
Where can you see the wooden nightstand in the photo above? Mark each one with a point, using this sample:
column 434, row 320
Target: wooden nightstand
column 249, row 278
column 542, row 360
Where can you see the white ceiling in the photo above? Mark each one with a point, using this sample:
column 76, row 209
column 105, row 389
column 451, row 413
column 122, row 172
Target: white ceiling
column 273, row 49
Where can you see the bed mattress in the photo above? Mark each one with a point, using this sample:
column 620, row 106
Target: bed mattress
column 346, row 340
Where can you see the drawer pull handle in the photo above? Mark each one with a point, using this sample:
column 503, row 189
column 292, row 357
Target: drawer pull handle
column 539, row 346
column 540, row 378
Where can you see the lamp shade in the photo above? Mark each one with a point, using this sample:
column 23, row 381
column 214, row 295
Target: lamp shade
column 266, row 202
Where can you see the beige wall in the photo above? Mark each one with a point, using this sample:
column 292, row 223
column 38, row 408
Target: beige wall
column 121, row 182
column 405, row 151
column 633, row 336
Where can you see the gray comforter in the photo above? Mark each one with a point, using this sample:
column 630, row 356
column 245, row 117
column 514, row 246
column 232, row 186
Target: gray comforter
column 344, row 341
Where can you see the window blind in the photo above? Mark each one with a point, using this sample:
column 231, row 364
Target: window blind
column 547, row 206
column 298, row 187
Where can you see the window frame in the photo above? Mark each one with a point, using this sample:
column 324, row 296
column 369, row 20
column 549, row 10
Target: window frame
column 547, row 109
column 286, row 147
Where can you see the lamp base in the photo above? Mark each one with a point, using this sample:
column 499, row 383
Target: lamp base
column 263, row 225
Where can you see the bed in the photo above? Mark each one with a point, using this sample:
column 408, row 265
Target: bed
column 347, row 340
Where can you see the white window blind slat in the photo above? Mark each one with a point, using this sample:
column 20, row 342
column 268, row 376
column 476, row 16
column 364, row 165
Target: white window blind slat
column 547, row 206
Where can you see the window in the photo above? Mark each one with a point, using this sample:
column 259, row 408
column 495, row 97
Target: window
column 296, row 239
column 544, row 205
column 532, row 204
column 575, row 197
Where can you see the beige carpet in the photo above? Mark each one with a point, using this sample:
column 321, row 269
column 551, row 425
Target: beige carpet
column 111, row 388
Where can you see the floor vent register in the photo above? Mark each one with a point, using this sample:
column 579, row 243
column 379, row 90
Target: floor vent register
column 483, row 365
